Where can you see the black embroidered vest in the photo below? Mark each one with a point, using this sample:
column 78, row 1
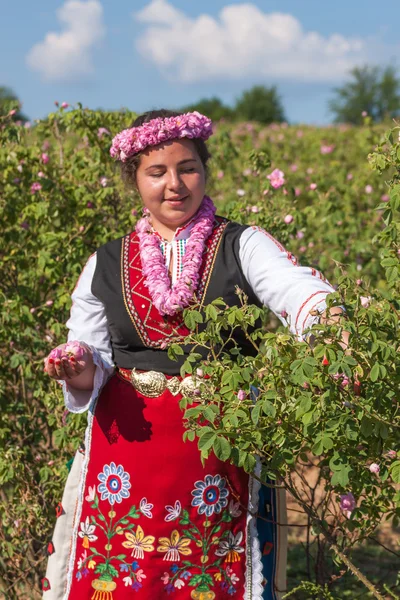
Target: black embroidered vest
column 139, row 334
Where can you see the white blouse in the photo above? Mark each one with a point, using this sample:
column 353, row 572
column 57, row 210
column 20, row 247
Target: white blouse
column 289, row 290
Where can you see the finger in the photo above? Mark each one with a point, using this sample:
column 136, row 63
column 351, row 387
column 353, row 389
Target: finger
column 69, row 368
column 59, row 369
column 50, row 368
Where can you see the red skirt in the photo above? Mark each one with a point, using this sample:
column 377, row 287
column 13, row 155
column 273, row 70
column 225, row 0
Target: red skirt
column 149, row 518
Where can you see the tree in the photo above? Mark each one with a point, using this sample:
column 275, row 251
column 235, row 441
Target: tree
column 371, row 89
column 212, row 108
column 9, row 101
column 261, row 104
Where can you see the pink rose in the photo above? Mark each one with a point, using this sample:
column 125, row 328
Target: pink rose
column 64, row 105
column 45, row 158
column 74, row 349
column 325, row 149
column 374, row 468
column 313, row 186
column 347, row 503
column 277, row 178
column 35, row 187
column 369, row 189
column 365, row 301
column 241, row 395
column 102, row 131
column 288, row 219
column 392, row 454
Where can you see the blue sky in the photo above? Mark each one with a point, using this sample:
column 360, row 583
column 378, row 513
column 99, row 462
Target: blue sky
column 151, row 53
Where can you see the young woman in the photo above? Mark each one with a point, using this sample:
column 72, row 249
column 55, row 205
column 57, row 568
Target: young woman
column 140, row 513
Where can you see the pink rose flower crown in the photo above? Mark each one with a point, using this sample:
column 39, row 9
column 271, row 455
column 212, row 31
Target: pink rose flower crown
column 188, row 125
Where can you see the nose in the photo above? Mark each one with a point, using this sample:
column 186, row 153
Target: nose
column 174, row 182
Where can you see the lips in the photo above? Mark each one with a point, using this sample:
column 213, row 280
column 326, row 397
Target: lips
column 176, row 199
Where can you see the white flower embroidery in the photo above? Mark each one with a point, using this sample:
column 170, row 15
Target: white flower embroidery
column 232, row 576
column 140, row 575
column 165, row 578
column 234, row 509
column 231, row 548
column 82, row 559
column 145, row 508
column 87, row 533
column 91, row 495
column 173, row 511
column 179, row 584
column 127, row 581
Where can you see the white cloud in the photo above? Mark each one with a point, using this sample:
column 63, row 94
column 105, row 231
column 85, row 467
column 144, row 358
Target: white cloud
column 242, row 41
column 67, row 55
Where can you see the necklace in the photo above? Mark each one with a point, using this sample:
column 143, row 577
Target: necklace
column 167, row 298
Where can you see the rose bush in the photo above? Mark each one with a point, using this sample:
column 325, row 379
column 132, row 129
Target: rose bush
column 61, row 197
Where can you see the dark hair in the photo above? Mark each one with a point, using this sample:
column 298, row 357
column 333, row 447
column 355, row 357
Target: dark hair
column 130, row 166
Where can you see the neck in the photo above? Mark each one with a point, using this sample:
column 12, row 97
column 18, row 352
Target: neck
column 167, row 232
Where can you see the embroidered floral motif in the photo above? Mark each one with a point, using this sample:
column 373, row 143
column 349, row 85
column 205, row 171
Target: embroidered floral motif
column 146, row 508
column 139, row 542
column 174, row 547
column 87, row 533
column 231, row 548
column 114, row 487
column 59, row 510
column 210, row 495
column 114, row 484
column 50, row 548
column 91, row 494
column 234, row 509
column 173, row 511
column 45, row 584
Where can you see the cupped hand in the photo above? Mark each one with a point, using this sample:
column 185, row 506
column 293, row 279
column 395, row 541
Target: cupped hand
column 67, row 361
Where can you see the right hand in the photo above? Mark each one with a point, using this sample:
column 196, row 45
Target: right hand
column 64, row 364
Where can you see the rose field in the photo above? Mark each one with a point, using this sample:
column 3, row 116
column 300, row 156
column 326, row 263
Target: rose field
column 324, row 423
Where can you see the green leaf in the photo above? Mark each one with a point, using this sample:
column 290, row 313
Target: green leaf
column 374, row 374
column 222, row 448
column 255, row 413
column 341, row 476
column 367, row 426
column 207, row 440
column 269, row 409
column 395, row 471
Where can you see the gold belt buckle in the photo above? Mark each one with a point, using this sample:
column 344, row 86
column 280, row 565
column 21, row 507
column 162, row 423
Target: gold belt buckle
column 152, row 384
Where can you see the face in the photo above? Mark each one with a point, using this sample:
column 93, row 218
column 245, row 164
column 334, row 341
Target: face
column 171, row 182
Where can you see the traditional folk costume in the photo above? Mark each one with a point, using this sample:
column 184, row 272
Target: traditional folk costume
column 140, row 515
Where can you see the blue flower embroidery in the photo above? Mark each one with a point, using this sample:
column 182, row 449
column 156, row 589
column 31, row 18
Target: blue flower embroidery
column 210, row 496
column 114, row 484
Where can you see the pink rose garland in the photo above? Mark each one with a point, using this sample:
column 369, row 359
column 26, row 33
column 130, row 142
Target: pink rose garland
column 131, row 141
column 170, row 299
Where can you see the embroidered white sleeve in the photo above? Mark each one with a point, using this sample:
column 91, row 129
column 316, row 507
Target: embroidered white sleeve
column 88, row 323
column 288, row 289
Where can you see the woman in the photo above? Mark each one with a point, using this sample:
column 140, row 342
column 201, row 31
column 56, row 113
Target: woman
column 140, row 512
